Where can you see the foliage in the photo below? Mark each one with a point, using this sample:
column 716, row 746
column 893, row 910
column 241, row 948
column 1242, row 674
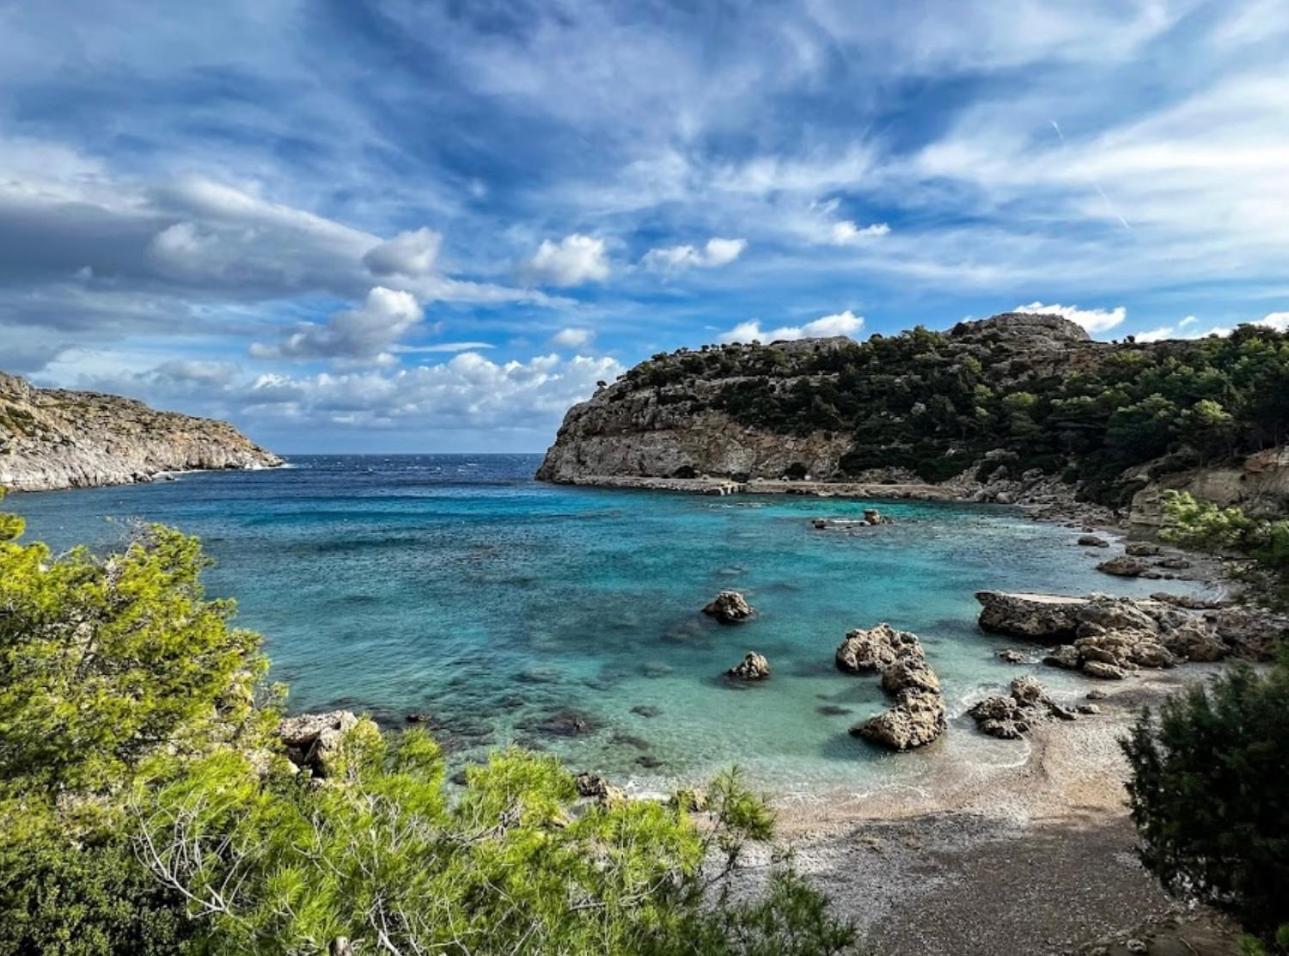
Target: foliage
column 1207, row 794
column 388, row 863
column 934, row 403
column 1204, row 525
column 144, row 808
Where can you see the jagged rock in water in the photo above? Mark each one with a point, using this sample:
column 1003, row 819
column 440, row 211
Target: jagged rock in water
column 54, row 438
column 875, row 649
column 312, row 741
column 1093, row 541
column 753, row 667
column 873, row 516
column 729, row 607
column 917, row 715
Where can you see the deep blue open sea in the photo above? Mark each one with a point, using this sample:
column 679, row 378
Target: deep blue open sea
column 454, row 585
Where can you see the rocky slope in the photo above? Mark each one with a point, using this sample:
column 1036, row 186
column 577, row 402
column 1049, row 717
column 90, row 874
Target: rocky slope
column 53, row 438
column 1016, row 407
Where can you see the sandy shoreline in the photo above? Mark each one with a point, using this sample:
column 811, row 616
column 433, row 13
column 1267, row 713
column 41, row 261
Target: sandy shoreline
column 1034, row 856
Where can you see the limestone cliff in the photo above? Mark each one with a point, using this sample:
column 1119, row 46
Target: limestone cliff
column 53, row 438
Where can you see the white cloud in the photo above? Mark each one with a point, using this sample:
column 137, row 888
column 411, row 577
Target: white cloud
column 1275, row 320
column 717, row 252
column 1093, row 320
column 840, row 323
column 846, row 232
column 408, row 254
column 362, row 334
column 574, row 260
column 573, row 338
column 1157, row 335
column 1187, row 322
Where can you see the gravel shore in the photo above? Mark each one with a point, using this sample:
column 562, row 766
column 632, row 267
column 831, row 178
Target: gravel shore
column 1034, row 857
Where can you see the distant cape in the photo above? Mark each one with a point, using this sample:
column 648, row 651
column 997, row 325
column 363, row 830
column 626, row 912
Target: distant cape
column 55, row 438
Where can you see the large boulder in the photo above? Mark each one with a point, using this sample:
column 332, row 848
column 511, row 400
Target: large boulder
column 753, row 667
column 875, row 648
column 312, row 741
column 729, row 607
column 1047, row 618
column 917, row 715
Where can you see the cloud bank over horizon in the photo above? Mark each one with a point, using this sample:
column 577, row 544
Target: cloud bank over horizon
column 426, row 226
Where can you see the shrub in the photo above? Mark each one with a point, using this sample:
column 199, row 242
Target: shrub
column 1207, row 794
column 143, row 809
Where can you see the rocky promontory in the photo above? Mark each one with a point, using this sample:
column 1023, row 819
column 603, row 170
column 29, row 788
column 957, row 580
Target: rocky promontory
column 1016, row 409
column 55, row 438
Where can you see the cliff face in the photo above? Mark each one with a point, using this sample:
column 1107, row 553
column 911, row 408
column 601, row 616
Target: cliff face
column 686, row 414
column 52, row 438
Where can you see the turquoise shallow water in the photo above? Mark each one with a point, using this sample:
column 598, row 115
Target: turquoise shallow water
column 456, row 586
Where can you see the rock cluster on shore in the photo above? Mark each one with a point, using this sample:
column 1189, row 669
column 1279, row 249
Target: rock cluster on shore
column 1109, row 637
column 1013, row 715
column 53, row 438
column 917, row 716
column 312, row 741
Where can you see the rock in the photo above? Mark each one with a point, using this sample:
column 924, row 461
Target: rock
column 312, row 741
column 1014, row 715
column 646, row 710
column 53, row 438
column 729, row 607
column 418, row 718
column 918, row 714
column 1093, row 541
column 1104, row 671
column 648, row 761
column 753, row 667
column 874, row 517
column 1125, row 566
column 1095, row 694
column 596, row 787
column 1063, row 656
column 875, row 649
column 915, row 720
column 833, row 710
column 1040, row 617
column 1142, row 549
column 1135, row 946
column 563, row 723
column 1174, row 563
column 1012, row 656
column 1088, row 709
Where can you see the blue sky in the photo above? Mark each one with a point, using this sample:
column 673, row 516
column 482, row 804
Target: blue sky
column 403, row 226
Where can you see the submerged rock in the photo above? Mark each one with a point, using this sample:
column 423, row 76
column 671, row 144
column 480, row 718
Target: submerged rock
column 563, row 723
column 729, row 607
column 753, row 667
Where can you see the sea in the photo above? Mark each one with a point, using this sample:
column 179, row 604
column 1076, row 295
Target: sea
column 501, row 610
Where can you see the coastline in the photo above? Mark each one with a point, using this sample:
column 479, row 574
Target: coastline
column 982, row 857
column 1039, row 852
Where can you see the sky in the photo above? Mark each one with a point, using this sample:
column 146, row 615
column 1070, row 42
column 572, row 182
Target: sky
column 397, row 226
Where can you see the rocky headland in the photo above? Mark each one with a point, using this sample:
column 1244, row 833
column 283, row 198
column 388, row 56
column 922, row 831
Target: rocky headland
column 1015, row 409
column 54, row 438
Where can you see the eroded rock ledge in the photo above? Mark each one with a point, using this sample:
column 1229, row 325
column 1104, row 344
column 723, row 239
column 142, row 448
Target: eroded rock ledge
column 53, row 438
column 1110, row 637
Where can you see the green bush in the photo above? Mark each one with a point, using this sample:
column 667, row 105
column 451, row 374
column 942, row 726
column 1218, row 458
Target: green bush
column 145, row 806
column 1208, row 795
